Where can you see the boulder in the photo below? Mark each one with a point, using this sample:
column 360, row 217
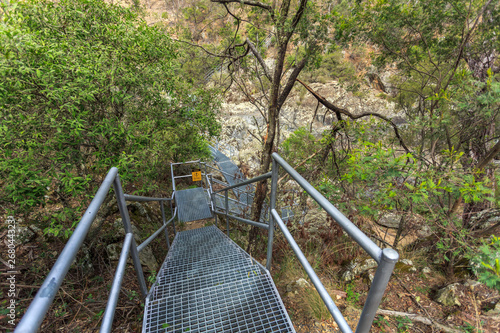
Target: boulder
column 357, row 268
column 390, row 219
column 294, row 288
column 448, row 295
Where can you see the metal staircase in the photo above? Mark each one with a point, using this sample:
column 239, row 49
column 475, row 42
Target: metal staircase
column 209, row 284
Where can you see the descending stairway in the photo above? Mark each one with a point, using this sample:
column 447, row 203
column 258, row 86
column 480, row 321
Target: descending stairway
column 193, row 204
column 233, row 176
column 209, row 284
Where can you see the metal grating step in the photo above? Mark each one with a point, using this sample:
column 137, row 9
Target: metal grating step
column 189, row 258
column 202, row 265
column 199, row 250
column 249, row 305
column 192, row 205
column 186, row 275
column 176, row 288
column 185, row 244
column 200, row 234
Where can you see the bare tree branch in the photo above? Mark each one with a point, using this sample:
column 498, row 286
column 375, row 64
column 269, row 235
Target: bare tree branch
column 419, row 318
column 334, row 108
column 291, row 81
column 259, row 58
column 255, row 136
column 246, row 2
column 301, row 163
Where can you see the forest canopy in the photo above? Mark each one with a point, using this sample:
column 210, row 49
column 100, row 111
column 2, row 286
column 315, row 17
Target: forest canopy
column 86, row 86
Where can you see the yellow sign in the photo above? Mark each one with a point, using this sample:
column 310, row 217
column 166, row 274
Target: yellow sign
column 196, row 176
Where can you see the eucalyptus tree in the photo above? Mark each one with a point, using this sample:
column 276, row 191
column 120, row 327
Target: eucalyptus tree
column 444, row 58
column 297, row 31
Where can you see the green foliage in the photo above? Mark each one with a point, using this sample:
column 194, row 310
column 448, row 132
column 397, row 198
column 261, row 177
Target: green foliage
column 332, row 66
column 486, row 263
column 381, row 322
column 298, row 146
column 379, row 179
column 441, row 76
column 86, row 86
column 352, row 294
column 403, row 324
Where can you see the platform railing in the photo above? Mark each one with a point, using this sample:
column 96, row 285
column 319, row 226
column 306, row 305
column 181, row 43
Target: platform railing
column 226, row 203
column 38, row 308
column 385, row 258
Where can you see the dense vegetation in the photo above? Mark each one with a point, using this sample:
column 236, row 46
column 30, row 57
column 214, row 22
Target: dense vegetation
column 87, row 86
column 444, row 59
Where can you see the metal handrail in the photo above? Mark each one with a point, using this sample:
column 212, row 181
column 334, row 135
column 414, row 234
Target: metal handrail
column 109, row 313
column 385, row 258
column 157, row 232
column 38, row 308
column 226, row 206
column 139, row 198
column 185, row 176
column 246, row 182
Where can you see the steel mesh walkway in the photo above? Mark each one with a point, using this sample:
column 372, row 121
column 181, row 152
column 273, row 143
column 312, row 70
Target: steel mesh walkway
column 233, row 175
column 209, row 284
column 192, row 204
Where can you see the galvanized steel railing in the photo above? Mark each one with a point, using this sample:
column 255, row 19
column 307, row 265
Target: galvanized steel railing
column 38, row 308
column 385, row 258
column 226, row 203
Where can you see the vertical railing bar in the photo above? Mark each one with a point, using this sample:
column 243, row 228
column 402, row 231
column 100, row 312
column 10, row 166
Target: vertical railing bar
column 201, row 178
column 377, row 289
column 214, row 202
column 109, row 313
column 120, row 198
column 164, row 221
column 172, row 212
column 206, row 177
column 270, row 232
column 226, row 198
column 172, row 175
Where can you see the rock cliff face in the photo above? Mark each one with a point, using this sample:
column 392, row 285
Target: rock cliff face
column 243, row 125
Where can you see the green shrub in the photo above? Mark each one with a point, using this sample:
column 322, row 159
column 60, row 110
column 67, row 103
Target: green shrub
column 486, row 263
column 86, row 86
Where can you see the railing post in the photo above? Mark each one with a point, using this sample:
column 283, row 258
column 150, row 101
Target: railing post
column 122, row 206
column 109, row 313
column 214, row 201
column 270, row 232
column 163, row 218
column 172, row 212
column 226, row 198
column 384, row 270
column 172, row 175
column 201, row 180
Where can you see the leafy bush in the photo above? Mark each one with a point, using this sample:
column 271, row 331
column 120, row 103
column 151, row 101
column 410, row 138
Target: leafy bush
column 332, row 66
column 486, row 263
column 298, row 146
column 86, row 86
